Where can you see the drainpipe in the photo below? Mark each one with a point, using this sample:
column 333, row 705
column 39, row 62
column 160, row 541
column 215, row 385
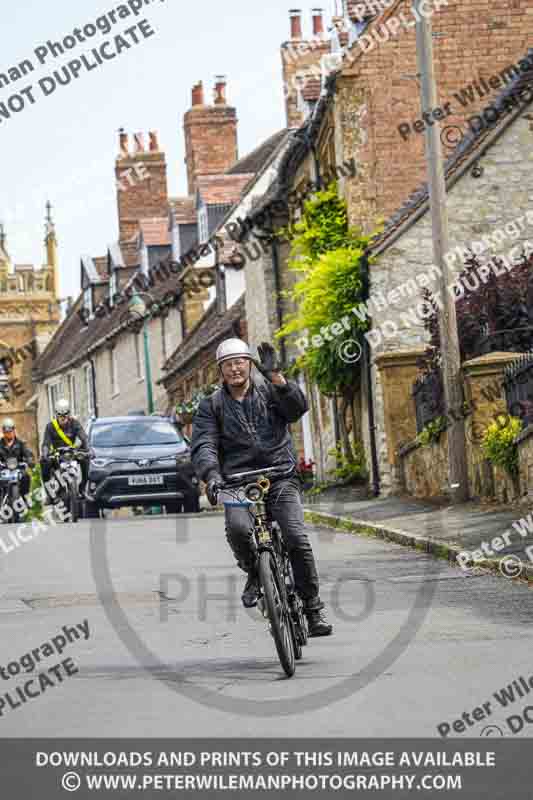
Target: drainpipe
column 93, row 373
column 277, row 288
column 365, row 278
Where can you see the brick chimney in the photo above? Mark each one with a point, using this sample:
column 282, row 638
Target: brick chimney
column 141, row 180
column 198, row 94
column 220, row 90
column 295, row 15
column 301, row 60
column 210, row 134
column 318, row 22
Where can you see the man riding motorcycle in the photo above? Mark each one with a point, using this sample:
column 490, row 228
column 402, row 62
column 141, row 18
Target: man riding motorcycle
column 13, row 447
column 63, row 431
column 244, row 426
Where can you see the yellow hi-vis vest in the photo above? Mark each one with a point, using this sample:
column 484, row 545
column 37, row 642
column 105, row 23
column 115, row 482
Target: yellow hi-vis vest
column 61, row 433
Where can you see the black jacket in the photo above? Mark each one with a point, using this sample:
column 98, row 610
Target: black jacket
column 18, row 449
column 72, row 429
column 248, row 435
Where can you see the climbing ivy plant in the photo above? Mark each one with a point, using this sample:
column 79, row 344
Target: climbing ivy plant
column 330, row 259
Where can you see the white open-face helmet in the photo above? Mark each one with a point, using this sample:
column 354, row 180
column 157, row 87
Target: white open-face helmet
column 62, row 407
column 232, row 348
column 8, row 424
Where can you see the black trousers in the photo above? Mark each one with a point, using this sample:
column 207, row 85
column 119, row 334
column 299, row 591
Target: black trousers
column 284, row 505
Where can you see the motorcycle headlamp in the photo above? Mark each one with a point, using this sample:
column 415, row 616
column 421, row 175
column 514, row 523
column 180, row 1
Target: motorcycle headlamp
column 12, row 463
column 253, row 492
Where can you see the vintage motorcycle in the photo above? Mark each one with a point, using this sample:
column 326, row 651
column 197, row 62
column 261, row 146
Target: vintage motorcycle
column 12, row 472
column 67, row 471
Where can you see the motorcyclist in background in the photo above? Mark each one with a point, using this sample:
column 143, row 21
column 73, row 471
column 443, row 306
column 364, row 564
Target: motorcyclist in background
column 63, row 431
column 13, row 447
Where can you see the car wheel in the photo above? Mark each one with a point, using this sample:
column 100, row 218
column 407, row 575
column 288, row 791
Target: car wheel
column 173, row 508
column 91, row 510
column 191, row 505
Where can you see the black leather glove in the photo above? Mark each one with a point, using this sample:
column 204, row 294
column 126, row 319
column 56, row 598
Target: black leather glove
column 268, row 360
column 213, row 484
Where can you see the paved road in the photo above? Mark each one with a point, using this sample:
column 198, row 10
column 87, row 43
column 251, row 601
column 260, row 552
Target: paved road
column 172, row 653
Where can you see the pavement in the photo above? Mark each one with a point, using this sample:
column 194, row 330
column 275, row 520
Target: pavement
column 437, row 528
column 171, row 652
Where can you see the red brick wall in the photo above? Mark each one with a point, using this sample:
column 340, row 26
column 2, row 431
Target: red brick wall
column 479, row 38
column 210, row 141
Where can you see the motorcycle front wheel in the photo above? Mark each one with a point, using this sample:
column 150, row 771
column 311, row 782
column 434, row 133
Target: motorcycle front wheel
column 277, row 612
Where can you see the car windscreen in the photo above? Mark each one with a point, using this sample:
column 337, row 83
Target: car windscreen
column 130, row 434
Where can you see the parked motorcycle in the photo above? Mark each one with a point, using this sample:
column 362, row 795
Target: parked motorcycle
column 12, row 472
column 68, row 474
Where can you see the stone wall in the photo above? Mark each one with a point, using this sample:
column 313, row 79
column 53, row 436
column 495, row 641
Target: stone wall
column 425, row 468
column 525, row 460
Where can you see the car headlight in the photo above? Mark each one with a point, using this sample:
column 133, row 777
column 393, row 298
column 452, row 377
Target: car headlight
column 99, row 463
column 12, row 463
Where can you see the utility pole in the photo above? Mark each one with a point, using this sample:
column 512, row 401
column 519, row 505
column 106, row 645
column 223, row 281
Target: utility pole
column 451, row 356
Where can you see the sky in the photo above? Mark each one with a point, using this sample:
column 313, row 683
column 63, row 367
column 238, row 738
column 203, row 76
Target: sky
column 62, row 147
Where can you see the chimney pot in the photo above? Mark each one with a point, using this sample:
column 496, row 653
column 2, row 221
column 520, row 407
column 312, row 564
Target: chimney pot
column 296, row 23
column 198, row 94
column 318, row 22
column 139, row 142
column 154, row 144
column 123, row 142
column 220, row 90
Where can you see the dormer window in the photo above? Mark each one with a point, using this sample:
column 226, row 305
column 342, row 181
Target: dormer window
column 88, row 300
column 145, row 266
column 203, row 225
column 113, row 287
column 176, row 242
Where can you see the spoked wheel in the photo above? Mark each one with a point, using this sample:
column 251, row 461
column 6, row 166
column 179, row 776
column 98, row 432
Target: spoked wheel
column 278, row 615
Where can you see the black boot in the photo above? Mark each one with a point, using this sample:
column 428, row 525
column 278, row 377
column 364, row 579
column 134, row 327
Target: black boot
column 251, row 591
column 318, row 624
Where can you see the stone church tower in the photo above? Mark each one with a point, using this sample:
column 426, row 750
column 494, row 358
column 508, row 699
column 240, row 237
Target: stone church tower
column 29, row 315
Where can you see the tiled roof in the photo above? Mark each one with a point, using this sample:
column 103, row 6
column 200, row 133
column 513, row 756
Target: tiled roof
column 209, row 330
column 73, row 340
column 222, row 189
column 183, row 209
column 155, row 231
column 255, row 160
column 471, row 147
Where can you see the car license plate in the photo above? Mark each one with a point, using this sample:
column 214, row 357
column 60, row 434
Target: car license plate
column 146, row 480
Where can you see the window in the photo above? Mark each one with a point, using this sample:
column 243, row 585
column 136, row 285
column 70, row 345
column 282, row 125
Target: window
column 139, row 433
column 176, row 242
column 88, row 300
column 53, row 397
column 112, row 287
column 203, row 225
column 145, row 266
column 113, row 377
column 89, row 386
column 72, row 393
column 139, row 356
column 164, row 337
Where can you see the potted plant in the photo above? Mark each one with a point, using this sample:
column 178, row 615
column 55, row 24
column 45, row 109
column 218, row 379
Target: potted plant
column 305, row 468
column 186, row 410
